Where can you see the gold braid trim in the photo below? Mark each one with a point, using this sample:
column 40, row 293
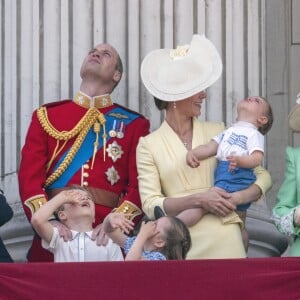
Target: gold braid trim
column 65, row 135
column 82, row 128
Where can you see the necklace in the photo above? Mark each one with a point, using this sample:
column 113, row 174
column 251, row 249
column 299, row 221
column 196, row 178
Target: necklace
column 185, row 143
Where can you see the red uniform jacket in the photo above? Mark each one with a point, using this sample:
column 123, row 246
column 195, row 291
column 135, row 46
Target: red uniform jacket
column 117, row 173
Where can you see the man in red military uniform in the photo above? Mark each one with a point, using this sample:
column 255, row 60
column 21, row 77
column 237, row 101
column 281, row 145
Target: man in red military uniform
column 88, row 141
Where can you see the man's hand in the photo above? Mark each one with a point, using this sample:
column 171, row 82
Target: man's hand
column 100, row 236
column 63, row 230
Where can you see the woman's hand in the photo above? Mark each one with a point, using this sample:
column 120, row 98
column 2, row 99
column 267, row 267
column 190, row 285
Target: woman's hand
column 216, row 201
column 250, row 194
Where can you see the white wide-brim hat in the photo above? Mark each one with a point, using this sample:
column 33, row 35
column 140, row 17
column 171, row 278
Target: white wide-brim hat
column 176, row 74
column 294, row 116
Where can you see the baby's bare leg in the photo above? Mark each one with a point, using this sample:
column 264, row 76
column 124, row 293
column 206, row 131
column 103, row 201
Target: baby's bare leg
column 191, row 216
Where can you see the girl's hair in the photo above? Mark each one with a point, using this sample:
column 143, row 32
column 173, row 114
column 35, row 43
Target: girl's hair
column 178, row 240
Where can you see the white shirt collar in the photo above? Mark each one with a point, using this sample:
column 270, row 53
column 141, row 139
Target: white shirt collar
column 76, row 233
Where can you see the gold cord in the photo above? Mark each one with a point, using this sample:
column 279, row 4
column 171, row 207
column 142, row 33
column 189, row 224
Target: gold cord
column 102, row 121
column 81, row 129
column 92, row 113
column 96, row 143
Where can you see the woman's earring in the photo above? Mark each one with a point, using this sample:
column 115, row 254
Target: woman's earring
column 174, row 105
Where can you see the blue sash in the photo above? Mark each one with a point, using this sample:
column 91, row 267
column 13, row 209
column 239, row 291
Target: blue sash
column 86, row 150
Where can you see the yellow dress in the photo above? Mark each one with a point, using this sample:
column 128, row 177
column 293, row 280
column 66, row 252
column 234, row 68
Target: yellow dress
column 163, row 172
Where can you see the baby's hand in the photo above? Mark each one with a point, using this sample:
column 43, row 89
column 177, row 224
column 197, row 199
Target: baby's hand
column 234, row 162
column 192, row 160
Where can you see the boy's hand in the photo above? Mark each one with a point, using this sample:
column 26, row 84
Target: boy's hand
column 74, row 196
column 234, row 162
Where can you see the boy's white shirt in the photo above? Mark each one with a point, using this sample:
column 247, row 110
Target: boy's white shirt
column 81, row 248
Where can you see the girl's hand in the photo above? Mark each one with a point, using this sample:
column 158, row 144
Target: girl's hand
column 119, row 220
column 148, row 230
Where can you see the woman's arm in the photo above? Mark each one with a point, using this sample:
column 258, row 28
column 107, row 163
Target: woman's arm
column 211, row 201
column 255, row 191
column 152, row 195
column 288, row 195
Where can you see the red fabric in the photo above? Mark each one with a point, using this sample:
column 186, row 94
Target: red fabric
column 257, row 278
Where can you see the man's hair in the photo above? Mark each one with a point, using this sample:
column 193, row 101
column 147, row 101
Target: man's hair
column 119, row 67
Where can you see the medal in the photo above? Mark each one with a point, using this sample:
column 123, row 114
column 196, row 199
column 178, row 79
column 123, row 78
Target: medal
column 112, row 132
column 114, row 151
column 121, row 130
column 112, row 175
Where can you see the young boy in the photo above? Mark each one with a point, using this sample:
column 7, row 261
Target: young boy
column 76, row 210
column 238, row 149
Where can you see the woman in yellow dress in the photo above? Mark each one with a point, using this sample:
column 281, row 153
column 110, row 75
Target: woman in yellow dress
column 177, row 78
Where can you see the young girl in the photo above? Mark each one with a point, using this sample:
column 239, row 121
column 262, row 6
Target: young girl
column 165, row 238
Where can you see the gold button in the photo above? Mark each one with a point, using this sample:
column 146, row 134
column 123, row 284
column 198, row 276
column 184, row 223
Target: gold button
column 85, row 174
column 85, row 183
column 86, row 166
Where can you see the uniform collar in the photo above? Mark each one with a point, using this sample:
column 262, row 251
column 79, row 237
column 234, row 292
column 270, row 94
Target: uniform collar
column 89, row 102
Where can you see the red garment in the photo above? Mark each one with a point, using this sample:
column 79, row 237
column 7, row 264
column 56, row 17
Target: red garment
column 39, row 148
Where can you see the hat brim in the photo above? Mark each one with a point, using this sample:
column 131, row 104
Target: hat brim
column 294, row 118
column 172, row 79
